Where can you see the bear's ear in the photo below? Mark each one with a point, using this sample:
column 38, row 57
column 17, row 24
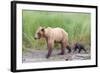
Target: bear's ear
column 43, row 29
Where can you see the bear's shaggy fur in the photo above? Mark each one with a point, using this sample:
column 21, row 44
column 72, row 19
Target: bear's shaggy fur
column 53, row 35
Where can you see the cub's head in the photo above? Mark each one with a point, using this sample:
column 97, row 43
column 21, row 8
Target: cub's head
column 39, row 33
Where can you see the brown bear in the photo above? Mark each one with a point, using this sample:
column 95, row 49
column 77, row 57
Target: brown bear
column 53, row 35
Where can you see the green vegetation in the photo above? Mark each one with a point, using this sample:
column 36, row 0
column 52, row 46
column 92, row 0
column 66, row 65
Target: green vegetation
column 76, row 24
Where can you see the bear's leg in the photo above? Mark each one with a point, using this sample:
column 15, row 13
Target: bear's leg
column 79, row 50
column 81, row 47
column 63, row 46
column 84, row 50
column 50, row 46
column 75, row 49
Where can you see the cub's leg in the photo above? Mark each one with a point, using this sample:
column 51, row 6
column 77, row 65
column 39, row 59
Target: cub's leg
column 83, row 48
column 75, row 48
column 79, row 50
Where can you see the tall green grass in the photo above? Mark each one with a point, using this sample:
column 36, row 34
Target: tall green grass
column 76, row 24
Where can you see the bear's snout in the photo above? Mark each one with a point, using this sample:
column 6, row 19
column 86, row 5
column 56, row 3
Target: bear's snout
column 36, row 38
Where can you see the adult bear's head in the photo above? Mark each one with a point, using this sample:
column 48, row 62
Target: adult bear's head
column 39, row 33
